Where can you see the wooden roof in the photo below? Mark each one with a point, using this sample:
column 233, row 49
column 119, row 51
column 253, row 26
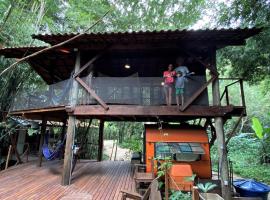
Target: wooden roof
column 57, row 64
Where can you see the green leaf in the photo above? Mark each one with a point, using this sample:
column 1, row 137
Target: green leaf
column 267, row 130
column 257, row 127
column 31, row 131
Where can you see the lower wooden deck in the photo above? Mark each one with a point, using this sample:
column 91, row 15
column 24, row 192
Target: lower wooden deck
column 90, row 180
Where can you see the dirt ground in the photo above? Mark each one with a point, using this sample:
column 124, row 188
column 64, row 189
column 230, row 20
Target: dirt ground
column 110, row 151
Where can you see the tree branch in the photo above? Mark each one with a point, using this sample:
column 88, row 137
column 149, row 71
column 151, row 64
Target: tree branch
column 54, row 46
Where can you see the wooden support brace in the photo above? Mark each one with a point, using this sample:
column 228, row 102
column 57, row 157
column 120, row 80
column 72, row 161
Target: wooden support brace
column 208, row 66
column 213, row 135
column 197, row 93
column 232, row 133
column 89, row 63
column 92, row 92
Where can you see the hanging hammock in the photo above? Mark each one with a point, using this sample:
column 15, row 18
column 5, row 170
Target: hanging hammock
column 50, row 154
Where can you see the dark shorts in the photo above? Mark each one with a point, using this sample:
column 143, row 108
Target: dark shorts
column 179, row 91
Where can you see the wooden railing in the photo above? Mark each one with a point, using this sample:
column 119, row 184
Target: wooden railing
column 226, row 92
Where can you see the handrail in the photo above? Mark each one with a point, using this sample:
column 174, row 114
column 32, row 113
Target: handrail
column 226, row 92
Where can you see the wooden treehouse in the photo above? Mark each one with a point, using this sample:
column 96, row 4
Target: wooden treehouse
column 118, row 76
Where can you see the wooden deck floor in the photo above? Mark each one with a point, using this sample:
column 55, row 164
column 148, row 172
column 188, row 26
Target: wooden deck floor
column 99, row 180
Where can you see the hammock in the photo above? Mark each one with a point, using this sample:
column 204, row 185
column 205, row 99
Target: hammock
column 50, row 154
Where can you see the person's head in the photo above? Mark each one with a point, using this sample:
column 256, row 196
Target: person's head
column 179, row 74
column 170, row 67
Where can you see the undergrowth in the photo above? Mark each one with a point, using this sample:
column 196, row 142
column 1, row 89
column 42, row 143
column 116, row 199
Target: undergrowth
column 244, row 152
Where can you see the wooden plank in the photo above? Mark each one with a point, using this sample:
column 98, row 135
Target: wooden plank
column 92, row 92
column 39, row 110
column 101, row 180
column 151, row 111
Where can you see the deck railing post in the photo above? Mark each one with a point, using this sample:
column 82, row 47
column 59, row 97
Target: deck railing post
column 242, row 93
column 227, row 96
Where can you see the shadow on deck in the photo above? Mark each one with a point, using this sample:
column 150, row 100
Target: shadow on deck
column 99, row 180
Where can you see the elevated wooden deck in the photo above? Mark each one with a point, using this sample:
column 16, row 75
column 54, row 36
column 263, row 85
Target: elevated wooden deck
column 132, row 112
column 99, row 180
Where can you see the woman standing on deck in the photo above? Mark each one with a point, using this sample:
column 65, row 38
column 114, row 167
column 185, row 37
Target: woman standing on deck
column 169, row 83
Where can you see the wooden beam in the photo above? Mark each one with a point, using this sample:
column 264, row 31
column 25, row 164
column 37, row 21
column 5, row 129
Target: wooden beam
column 38, row 110
column 92, row 93
column 211, row 67
column 222, row 148
column 197, row 93
column 42, row 133
column 100, row 140
column 151, row 111
column 90, row 62
column 232, row 133
column 67, row 168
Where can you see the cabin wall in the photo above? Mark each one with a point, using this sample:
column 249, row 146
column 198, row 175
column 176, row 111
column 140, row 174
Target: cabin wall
column 201, row 168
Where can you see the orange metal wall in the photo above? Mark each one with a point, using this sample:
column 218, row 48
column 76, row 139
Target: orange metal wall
column 201, row 168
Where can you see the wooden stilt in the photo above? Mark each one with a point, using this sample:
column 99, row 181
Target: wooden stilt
column 42, row 133
column 8, row 156
column 14, row 146
column 67, row 168
column 222, row 150
column 100, row 140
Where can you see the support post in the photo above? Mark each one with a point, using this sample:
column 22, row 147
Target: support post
column 8, row 156
column 166, row 184
column 41, row 141
column 67, row 168
column 100, row 140
column 222, row 150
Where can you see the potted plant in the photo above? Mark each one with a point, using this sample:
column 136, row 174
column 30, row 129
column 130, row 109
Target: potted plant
column 204, row 191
